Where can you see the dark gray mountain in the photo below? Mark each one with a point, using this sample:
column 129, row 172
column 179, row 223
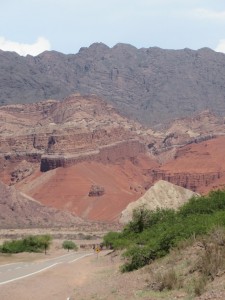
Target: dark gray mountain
column 152, row 85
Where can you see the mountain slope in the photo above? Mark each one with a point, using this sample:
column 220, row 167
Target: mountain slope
column 18, row 210
column 152, row 85
column 69, row 188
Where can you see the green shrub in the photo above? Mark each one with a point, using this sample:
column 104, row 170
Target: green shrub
column 28, row 244
column 14, row 246
column 110, row 240
column 137, row 258
column 144, row 218
column 151, row 234
column 215, row 201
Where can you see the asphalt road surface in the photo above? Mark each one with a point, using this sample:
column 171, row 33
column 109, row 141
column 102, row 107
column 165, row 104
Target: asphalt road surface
column 16, row 271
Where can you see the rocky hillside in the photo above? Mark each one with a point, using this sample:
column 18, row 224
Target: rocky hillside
column 78, row 155
column 152, row 85
column 18, row 210
column 82, row 156
column 59, row 134
column 162, row 194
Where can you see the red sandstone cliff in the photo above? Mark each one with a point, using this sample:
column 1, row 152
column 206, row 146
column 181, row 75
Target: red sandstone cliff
column 199, row 167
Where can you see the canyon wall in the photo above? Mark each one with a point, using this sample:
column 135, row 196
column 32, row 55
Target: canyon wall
column 191, row 181
column 110, row 153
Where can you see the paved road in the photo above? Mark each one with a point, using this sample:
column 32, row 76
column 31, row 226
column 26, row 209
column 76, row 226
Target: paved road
column 16, row 271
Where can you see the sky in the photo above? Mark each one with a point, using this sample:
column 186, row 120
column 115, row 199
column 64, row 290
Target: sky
column 33, row 26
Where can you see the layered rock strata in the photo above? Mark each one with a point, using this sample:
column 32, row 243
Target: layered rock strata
column 187, row 180
column 59, row 134
column 105, row 154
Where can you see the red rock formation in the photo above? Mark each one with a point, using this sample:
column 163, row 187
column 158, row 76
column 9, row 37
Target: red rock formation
column 197, row 166
column 105, row 154
column 81, row 141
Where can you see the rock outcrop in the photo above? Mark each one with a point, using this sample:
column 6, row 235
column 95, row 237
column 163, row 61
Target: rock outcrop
column 96, row 191
column 23, row 170
column 162, row 195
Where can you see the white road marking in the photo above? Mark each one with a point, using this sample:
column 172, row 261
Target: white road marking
column 11, row 264
column 80, row 257
column 21, row 262
column 11, row 280
column 59, row 256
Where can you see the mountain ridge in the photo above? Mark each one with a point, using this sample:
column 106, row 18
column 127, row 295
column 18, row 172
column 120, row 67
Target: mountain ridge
column 151, row 85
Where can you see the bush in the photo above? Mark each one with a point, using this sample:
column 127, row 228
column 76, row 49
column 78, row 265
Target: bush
column 69, row 245
column 144, row 218
column 29, row 244
column 110, row 240
column 14, row 246
column 137, row 258
column 151, row 234
column 215, row 201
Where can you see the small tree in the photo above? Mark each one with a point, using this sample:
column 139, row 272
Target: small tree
column 45, row 241
column 70, row 245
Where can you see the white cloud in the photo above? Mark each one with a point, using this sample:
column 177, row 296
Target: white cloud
column 221, row 46
column 209, row 14
column 34, row 49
